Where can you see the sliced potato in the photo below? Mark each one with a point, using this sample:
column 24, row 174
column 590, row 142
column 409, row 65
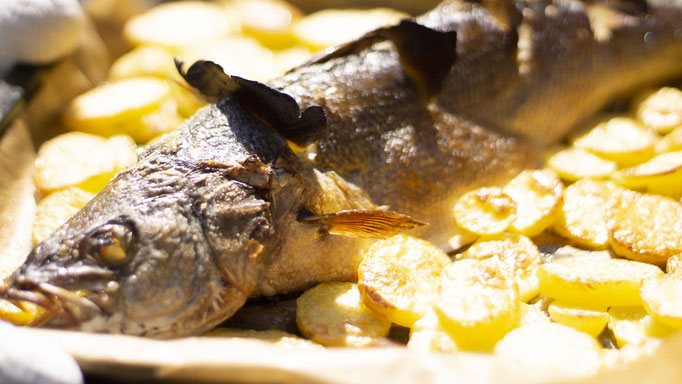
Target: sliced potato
column 178, row 24
column 662, row 298
column 662, row 174
column 165, row 119
column 518, row 252
column 276, row 337
column 532, row 315
column 573, row 164
column 13, row 314
column 116, row 108
column 145, row 61
column 620, row 139
column 660, row 109
column 333, row 314
column 55, row 209
column 633, row 326
column 332, row 27
column 485, row 211
column 673, row 267
column 595, row 282
column 580, row 216
column 589, row 320
column 290, row 58
column 670, row 142
column 478, row 302
column 536, row 194
column 645, row 227
column 541, row 353
column 399, row 278
column 429, row 335
column 269, row 21
column 83, row 160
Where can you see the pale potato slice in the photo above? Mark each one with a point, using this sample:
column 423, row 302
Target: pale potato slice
column 532, row 315
column 83, row 160
column 670, row 142
column 542, row 353
column 673, row 267
column 595, row 282
column 518, row 252
column 645, row 227
column 478, row 302
column 332, row 27
column 55, row 209
column 238, row 55
column 573, row 164
column 536, row 194
column 660, row 109
column 269, row 21
column 662, row 174
column 333, row 314
column 276, row 337
column 178, row 24
column 580, row 216
column 429, row 335
column 589, row 320
column 662, row 299
column 116, row 108
column 631, row 325
column 620, row 139
column 485, row 211
column 399, row 277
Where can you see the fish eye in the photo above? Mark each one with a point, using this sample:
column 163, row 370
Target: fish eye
column 110, row 244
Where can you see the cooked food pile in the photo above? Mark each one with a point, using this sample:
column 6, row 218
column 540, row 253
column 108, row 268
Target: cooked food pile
column 579, row 260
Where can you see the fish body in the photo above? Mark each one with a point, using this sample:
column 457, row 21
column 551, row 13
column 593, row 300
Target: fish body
column 223, row 209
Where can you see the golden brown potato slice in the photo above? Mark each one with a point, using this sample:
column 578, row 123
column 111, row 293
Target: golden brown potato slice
column 580, row 216
column 518, row 252
column 55, row 209
column 478, row 302
column 429, row 335
column 662, row 298
column 573, row 164
column 279, row 338
column 620, row 139
column 269, row 21
column 633, row 326
column 178, row 24
column 645, row 227
column 542, row 353
column 662, row 174
column 333, row 314
column 399, row 278
column 81, row 159
column 589, row 320
column 660, row 109
column 536, row 194
column 485, row 211
column 594, row 282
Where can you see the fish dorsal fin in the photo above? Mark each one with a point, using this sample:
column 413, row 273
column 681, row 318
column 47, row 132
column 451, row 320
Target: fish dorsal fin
column 426, row 54
column 277, row 109
column 363, row 223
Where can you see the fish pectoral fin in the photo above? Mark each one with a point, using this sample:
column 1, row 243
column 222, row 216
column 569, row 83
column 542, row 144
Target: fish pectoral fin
column 426, row 54
column 364, row 223
column 276, row 109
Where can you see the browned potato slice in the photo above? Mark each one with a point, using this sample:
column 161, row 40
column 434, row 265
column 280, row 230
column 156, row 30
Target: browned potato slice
column 589, row 320
column 333, row 314
column 429, row 335
column 55, row 209
column 573, row 164
column 660, row 109
column 662, row 299
column 81, row 159
column 269, row 21
column 542, row 353
column 645, row 227
column 633, row 326
column 178, row 24
column 478, row 302
column 580, row 217
column 536, row 194
column 594, row 282
column 673, row 267
column 485, row 211
column 662, row 174
column 518, row 252
column 620, row 139
column 279, row 338
column 399, row 278
column 671, row 142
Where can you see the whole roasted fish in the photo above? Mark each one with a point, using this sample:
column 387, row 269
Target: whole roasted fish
column 397, row 124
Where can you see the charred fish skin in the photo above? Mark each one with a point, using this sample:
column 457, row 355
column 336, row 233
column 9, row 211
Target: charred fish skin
column 523, row 76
